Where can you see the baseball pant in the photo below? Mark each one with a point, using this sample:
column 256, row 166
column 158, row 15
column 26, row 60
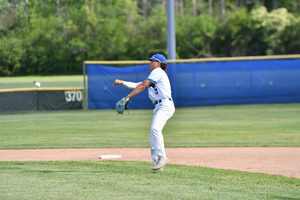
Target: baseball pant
column 161, row 113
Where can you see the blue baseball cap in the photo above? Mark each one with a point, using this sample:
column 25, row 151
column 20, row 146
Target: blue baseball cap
column 158, row 57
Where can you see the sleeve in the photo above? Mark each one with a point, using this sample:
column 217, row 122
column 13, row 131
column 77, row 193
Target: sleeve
column 130, row 85
column 154, row 76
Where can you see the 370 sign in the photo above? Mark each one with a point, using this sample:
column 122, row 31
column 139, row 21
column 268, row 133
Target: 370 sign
column 72, row 96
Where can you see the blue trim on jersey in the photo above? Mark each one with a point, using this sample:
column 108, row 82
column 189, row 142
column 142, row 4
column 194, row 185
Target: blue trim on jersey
column 152, row 81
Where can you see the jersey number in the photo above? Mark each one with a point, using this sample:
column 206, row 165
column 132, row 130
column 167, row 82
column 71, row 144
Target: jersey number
column 155, row 89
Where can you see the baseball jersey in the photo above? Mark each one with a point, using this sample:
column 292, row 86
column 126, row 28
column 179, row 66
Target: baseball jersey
column 160, row 87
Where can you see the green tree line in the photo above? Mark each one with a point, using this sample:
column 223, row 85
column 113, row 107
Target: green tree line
column 56, row 36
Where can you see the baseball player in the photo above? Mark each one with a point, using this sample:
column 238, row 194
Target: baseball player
column 159, row 90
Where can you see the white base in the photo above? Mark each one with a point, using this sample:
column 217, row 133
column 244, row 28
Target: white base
column 110, row 156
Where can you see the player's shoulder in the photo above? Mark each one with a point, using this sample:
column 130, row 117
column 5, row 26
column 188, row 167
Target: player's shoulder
column 157, row 74
column 158, row 71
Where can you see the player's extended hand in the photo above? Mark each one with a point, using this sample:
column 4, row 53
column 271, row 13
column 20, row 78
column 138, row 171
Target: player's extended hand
column 121, row 105
column 118, row 82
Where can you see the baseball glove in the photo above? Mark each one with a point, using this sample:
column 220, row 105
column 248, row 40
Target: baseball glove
column 121, row 106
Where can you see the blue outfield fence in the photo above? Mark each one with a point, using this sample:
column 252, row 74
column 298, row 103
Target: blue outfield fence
column 202, row 83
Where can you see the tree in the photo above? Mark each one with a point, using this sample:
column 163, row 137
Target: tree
column 54, row 36
column 290, row 38
column 57, row 8
column 273, row 24
column 194, row 36
column 235, row 36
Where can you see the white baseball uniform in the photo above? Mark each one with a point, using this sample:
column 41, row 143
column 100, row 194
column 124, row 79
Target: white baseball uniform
column 160, row 94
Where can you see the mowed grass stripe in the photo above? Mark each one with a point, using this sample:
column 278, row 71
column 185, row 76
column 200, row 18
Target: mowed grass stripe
column 133, row 180
column 211, row 126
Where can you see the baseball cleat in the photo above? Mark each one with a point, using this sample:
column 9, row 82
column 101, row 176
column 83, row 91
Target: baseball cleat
column 161, row 162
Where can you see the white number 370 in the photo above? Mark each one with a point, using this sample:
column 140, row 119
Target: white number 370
column 72, row 96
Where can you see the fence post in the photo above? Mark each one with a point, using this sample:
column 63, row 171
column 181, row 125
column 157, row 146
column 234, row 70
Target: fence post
column 84, row 86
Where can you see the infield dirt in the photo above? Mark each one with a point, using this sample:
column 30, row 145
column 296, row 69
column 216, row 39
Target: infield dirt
column 283, row 161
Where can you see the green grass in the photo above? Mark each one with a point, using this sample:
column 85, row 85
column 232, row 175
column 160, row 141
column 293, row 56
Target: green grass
column 239, row 125
column 46, row 81
column 132, row 180
column 219, row 126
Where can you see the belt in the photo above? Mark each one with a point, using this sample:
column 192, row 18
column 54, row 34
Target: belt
column 159, row 101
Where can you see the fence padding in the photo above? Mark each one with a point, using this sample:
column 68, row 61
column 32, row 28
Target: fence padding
column 40, row 99
column 203, row 83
